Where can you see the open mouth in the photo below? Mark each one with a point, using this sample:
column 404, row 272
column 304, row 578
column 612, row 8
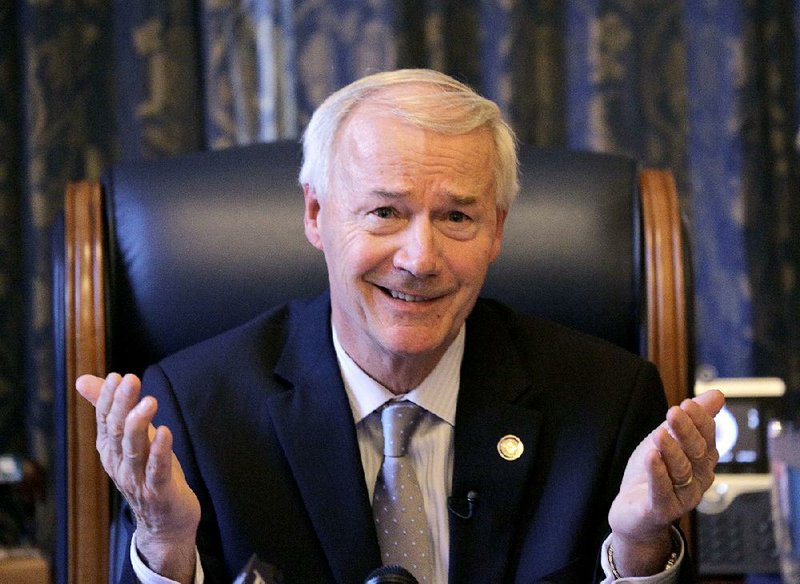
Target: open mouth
column 397, row 295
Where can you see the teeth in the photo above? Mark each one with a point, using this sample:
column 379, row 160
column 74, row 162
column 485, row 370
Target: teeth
column 406, row 297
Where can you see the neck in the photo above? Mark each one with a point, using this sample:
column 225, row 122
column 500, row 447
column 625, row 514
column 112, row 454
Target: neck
column 398, row 373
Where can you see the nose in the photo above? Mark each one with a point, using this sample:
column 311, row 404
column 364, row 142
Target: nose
column 418, row 253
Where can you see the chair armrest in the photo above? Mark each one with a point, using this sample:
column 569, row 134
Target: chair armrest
column 85, row 318
column 667, row 314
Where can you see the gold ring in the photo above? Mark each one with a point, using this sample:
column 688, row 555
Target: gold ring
column 685, row 483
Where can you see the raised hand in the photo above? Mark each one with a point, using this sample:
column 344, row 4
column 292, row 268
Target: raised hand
column 139, row 459
column 666, row 477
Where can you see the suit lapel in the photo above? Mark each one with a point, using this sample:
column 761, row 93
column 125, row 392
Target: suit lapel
column 492, row 379
column 314, row 423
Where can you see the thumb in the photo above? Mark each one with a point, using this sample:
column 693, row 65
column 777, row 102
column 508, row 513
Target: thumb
column 89, row 387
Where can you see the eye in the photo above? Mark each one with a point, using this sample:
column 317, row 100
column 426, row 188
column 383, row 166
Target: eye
column 384, row 213
column 456, row 217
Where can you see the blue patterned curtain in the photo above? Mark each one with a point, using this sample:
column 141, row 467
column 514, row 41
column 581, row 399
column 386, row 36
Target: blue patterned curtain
column 249, row 71
column 709, row 89
column 742, row 84
column 157, row 72
column 66, row 112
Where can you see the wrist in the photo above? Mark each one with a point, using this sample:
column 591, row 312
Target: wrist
column 632, row 557
column 173, row 557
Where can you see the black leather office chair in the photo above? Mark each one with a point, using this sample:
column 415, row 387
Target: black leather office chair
column 163, row 254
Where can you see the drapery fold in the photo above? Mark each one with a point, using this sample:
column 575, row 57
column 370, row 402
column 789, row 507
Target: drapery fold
column 709, row 89
column 249, row 98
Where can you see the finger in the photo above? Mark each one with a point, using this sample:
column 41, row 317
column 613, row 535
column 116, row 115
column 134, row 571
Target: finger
column 159, row 463
column 125, row 398
column 135, row 440
column 89, row 386
column 712, row 401
column 703, row 422
column 660, row 484
column 103, row 405
column 106, row 395
column 703, row 466
column 674, row 459
column 686, row 434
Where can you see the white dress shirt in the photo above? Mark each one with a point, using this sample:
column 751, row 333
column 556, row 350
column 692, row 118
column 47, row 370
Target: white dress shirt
column 430, row 451
column 431, row 447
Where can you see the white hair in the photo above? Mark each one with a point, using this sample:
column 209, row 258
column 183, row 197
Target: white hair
column 454, row 109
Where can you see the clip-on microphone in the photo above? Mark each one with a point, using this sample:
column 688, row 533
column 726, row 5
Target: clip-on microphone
column 453, row 503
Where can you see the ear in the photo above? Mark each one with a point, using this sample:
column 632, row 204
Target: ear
column 311, row 217
column 498, row 233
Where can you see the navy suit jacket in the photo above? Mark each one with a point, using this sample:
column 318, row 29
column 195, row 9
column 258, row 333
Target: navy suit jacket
column 265, row 434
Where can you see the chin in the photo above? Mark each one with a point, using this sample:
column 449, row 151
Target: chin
column 415, row 343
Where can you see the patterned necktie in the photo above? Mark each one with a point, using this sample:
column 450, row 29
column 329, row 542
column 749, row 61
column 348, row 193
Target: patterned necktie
column 403, row 532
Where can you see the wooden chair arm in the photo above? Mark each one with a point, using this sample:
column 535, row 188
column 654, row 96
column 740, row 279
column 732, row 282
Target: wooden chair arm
column 667, row 312
column 84, row 295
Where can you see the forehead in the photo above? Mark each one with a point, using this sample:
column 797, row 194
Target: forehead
column 377, row 142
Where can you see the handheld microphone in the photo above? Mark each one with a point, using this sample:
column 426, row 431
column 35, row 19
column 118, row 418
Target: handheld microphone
column 257, row 571
column 455, row 506
column 390, row 575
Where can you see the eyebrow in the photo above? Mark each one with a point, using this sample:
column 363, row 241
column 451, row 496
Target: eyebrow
column 463, row 200
column 384, row 194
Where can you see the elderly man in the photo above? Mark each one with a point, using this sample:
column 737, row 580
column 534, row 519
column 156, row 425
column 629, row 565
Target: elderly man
column 398, row 419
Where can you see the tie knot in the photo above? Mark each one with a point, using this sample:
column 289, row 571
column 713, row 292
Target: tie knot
column 399, row 419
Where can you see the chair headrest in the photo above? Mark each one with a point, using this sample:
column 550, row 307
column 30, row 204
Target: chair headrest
column 203, row 242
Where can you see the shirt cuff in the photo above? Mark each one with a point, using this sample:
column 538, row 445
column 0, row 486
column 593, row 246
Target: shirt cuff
column 668, row 576
column 146, row 576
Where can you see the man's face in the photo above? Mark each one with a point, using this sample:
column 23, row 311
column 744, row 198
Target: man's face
column 409, row 227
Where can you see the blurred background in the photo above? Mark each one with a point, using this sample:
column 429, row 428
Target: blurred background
column 708, row 88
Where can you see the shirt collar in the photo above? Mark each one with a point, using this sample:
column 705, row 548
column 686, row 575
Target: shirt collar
column 437, row 393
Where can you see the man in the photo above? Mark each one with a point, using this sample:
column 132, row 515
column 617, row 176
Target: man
column 525, row 447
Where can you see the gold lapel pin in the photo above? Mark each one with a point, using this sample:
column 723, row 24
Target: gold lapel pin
column 510, row 447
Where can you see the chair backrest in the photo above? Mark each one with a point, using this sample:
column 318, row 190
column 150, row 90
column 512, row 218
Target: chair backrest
column 165, row 253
